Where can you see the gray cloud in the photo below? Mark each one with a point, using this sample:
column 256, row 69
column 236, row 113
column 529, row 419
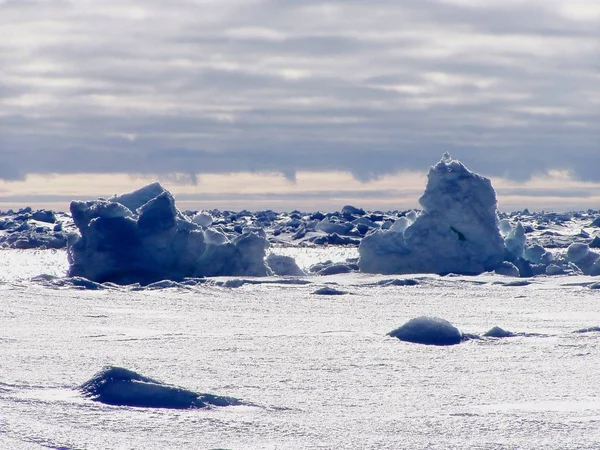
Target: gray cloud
column 283, row 86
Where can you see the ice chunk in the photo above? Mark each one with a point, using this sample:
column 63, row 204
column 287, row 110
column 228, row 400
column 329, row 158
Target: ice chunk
column 428, row 330
column 203, row 219
column 129, row 243
column 352, row 210
column 537, row 254
column 333, row 227
column 136, row 199
column 505, row 226
column 123, row 387
column 284, row 265
column 515, row 240
column 44, row 215
column 400, row 225
column 577, row 252
column 555, row 269
column 83, row 212
column 457, row 231
column 335, row 269
column 507, row 268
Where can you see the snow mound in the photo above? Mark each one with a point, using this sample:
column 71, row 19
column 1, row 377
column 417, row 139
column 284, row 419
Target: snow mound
column 588, row 330
column 428, row 330
column 142, row 237
column 122, row 387
column 327, row 290
column 457, row 231
column 498, row 332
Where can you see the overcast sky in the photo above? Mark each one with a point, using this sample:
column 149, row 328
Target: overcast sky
column 307, row 103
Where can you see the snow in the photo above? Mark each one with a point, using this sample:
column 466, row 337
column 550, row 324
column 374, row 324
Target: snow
column 122, row 387
column 498, row 332
column 142, row 237
column 429, row 331
column 319, row 369
column 328, row 290
column 457, row 231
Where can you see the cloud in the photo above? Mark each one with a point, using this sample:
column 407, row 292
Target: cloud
column 371, row 88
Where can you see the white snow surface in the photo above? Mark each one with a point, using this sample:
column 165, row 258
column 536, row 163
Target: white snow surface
column 457, row 231
column 314, row 371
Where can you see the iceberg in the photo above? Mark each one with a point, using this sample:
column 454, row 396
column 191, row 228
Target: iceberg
column 457, row 231
column 141, row 237
column 122, row 387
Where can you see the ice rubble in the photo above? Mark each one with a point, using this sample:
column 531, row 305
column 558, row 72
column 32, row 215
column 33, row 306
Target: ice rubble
column 122, row 387
column 142, row 237
column 457, row 231
column 26, row 229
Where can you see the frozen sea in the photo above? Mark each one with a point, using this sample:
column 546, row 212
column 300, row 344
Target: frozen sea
column 316, row 371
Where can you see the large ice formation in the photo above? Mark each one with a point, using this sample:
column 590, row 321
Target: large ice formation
column 123, row 387
column 457, row 231
column 142, row 237
column 428, row 330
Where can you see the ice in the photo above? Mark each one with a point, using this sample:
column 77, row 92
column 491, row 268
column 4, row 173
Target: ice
column 331, row 227
column 203, row 219
column 457, row 231
column 136, row 199
column 577, row 252
column 284, row 265
column 585, row 259
column 429, row 331
column 27, row 229
column 508, row 269
column 537, row 254
column 43, row 215
column 335, row 269
column 515, row 241
column 122, row 387
column 146, row 239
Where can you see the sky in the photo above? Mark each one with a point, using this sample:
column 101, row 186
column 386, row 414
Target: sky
column 298, row 104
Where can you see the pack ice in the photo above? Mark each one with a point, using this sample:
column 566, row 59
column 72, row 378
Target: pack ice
column 456, row 232
column 142, row 237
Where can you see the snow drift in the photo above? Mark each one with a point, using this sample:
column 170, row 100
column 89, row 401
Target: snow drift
column 457, row 231
column 142, row 237
column 122, row 387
